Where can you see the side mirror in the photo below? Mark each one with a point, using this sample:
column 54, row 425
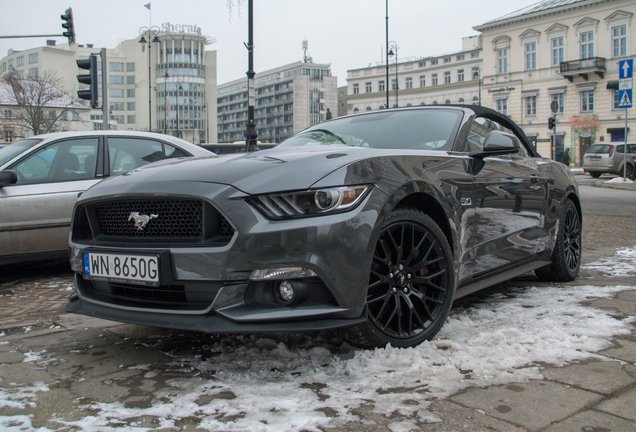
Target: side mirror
column 498, row 142
column 8, row 178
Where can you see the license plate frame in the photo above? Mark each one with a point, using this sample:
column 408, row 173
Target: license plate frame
column 132, row 268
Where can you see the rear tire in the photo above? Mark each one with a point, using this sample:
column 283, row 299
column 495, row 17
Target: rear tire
column 628, row 171
column 411, row 285
column 566, row 257
column 595, row 174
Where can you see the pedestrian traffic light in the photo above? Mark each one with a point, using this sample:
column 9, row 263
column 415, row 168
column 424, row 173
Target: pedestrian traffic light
column 68, row 26
column 91, row 79
column 551, row 123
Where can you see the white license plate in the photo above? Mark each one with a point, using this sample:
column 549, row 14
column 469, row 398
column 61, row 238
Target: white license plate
column 128, row 268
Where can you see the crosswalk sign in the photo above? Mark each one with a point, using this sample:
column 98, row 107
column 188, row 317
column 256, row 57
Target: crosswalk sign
column 625, row 98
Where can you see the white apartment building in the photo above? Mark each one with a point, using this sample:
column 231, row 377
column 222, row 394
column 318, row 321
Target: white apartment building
column 289, row 99
column 166, row 86
column 444, row 79
column 566, row 51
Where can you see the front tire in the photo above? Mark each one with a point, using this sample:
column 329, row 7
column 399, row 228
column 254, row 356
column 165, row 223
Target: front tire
column 411, row 285
column 595, row 174
column 566, row 257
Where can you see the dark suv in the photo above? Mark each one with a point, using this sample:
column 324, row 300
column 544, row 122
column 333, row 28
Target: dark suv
column 609, row 158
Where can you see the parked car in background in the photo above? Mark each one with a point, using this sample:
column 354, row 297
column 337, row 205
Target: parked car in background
column 374, row 222
column 609, row 158
column 42, row 176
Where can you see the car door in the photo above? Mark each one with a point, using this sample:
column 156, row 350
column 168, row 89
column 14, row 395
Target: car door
column 510, row 198
column 35, row 213
column 128, row 153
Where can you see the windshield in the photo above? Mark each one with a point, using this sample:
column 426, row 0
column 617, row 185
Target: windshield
column 12, row 150
column 422, row 129
column 599, row 149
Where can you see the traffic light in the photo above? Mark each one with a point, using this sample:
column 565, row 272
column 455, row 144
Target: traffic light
column 551, row 123
column 68, row 26
column 91, row 79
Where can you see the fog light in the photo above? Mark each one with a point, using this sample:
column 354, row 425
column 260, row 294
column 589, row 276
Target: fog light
column 286, row 291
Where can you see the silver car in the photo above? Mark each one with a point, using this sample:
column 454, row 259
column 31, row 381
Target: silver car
column 609, row 158
column 42, row 176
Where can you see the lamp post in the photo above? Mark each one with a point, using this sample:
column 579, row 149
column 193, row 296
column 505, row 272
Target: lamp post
column 207, row 124
column 387, row 54
column 476, row 75
column 152, row 33
column 393, row 46
column 179, row 82
column 165, row 121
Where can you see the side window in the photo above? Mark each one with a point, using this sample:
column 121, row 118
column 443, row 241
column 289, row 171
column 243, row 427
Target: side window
column 480, row 128
column 173, row 152
column 61, row 161
column 129, row 153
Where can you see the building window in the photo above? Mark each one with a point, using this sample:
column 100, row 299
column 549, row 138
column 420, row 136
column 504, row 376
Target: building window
column 460, row 75
column 421, row 64
column 130, row 106
column 619, row 41
column 531, row 106
column 33, row 73
column 75, row 116
column 118, row 118
column 356, row 88
column 64, row 115
column 33, row 58
column 557, row 51
column 531, row 55
column 615, row 100
column 447, row 78
column 422, row 80
column 130, row 79
column 501, row 106
column 369, row 87
column 117, row 93
column 448, row 101
column 19, row 61
column 474, row 54
column 587, row 101
column 460, row 57
column 381, row 85
column 394, row 84
column 130, row 67
column 475, row 99
column 116, row 67
column 587, row 45
column 8, row 136
column 461, row 100
column 434, row 79
column 560, row 99
column 447, row 59
column 341, row 93
column 116, row 79
column 8, row 114
column 433, row 62
column 117, row 106
column 130, row 119
column 503, row 60
column 409, row 82
column 20, row 74
column 130, row 93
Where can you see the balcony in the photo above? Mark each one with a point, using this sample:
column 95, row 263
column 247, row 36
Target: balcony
column 583, row 67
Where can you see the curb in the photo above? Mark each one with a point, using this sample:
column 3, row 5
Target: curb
column 622, row 186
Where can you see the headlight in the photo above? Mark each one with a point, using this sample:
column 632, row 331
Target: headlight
column 289, row 205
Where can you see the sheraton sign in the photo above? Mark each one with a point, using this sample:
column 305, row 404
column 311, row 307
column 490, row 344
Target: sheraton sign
column 180, row 28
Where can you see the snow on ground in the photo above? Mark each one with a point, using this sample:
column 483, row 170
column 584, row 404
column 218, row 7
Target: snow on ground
column 285, row 384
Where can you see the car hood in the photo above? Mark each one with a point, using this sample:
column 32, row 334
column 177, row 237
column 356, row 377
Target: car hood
column 288, row 168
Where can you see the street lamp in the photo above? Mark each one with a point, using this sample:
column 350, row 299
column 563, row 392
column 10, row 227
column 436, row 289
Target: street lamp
column 178, row 88
column 207, row 124
column 476, row 76
column 393, row 46
column 152, row 33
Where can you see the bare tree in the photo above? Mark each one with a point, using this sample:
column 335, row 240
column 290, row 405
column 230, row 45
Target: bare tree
column 40, row 106
column 230, row 7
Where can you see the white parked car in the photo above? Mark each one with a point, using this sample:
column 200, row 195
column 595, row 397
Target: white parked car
column 41, row 177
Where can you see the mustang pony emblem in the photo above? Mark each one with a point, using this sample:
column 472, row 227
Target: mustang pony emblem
column 141, row 220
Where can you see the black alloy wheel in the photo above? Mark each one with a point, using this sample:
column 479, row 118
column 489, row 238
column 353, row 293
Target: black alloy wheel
column 566, row 257
column 411, row 283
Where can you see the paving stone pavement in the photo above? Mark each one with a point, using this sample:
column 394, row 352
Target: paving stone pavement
column 81, row 361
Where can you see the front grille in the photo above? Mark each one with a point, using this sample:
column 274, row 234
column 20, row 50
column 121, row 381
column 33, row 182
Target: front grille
column 170, row 294
column 166, row 218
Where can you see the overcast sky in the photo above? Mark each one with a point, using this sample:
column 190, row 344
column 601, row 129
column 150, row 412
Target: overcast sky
column 349, row 34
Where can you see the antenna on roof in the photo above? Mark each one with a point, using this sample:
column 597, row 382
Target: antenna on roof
column 307, row 58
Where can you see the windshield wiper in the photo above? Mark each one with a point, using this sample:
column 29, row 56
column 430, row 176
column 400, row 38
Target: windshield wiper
column 328, row 132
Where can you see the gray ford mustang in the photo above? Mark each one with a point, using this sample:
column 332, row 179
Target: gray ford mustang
column 372, row 222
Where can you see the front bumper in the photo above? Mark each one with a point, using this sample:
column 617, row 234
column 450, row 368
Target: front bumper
column 338, row 248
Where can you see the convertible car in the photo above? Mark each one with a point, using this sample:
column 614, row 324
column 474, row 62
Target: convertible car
column 372, row 222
